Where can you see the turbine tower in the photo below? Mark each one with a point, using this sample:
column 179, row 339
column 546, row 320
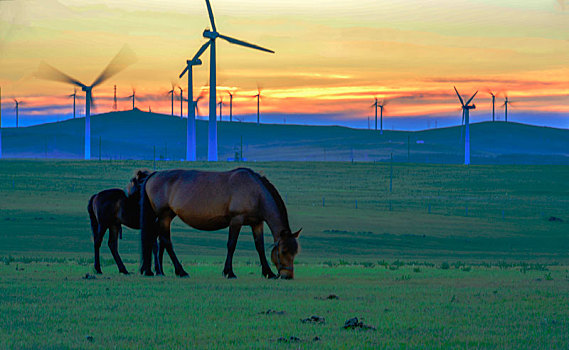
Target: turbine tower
column 506, row 103
column 466, row 107
column 191, row 124
column 16, row 106
column 230, row 106
column 212, row 35
column 181, row 102
column 493, row 104
column 171, row 93
column 115, row 106
column 375, row 105
column 381, row 105
column 258, row 96
column 133, row 96
column 74, row 95
column 123, row 59
column 220, row 109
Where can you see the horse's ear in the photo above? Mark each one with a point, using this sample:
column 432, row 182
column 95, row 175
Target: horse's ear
column 297, row 233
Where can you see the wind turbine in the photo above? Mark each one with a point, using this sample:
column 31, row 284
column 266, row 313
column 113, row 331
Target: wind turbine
column 16, row 107
column 506, row 103
column 191, row 124
column 381, row 106
column 133, row 96
column 466, row 107
column 181, row 102
column 258, row 96
column 230, row 106
column 123, row 59
column 74, row 95
column 212, row 35
column 172, row 93
column 220, row 103
column 493, row 104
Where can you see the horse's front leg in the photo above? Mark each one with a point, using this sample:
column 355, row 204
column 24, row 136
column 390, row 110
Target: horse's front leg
column 260, row 246
column 158, row 258
column 234, row 229
column 114, row 233
column 166, row 242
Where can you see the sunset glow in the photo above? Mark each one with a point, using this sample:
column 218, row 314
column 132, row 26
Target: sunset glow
column 331, row 58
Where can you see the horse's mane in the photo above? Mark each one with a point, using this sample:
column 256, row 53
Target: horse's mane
column 274, row 193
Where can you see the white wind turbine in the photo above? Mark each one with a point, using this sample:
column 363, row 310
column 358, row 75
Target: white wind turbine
column 123, row 59
column 466, row 107
column 212, row 35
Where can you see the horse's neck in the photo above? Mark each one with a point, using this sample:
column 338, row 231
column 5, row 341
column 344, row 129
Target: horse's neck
column 273, row 217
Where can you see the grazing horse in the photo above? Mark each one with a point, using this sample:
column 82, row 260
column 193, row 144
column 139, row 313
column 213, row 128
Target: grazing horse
column 109, row 209
column 212, row 201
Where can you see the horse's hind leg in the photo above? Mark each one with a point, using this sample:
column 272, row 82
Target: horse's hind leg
column 158, row 258
column 260, row 246
column 114, row 233
column 166, row 242
column 97, row 240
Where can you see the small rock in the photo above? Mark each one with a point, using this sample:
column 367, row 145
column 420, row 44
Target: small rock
column 354, row 323
column 316, row 338
column 314, row 319
column 89, row 277
column 555, row 219
column 332, row 296
column 90, row 338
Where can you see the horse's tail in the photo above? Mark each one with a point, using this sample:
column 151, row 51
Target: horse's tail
column 147, row 228
column 93, row 217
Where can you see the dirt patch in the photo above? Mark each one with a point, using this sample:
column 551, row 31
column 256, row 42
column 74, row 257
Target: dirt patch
column 272, row 312
column 89, row 277
column 329, row 297
column 554, row 219
column 314, row 319
column 354, row 323
column 291, row 339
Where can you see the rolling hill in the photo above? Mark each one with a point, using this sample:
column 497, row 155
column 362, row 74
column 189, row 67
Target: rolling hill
column 141, row 135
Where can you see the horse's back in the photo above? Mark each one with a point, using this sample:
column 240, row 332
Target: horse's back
column 204, row 199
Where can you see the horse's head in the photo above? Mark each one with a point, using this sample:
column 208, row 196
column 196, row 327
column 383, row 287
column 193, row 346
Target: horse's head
column 283, row 254
column 136, row 182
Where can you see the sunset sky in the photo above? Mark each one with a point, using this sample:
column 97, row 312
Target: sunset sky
column 332, row 57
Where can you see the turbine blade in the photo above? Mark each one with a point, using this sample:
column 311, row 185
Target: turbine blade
column 201, row 50
column 210, row 13
column 459, row 97
column 471, row 98
column 45, row 71
column 184, row 71
column 244, row 43
column 123, row 59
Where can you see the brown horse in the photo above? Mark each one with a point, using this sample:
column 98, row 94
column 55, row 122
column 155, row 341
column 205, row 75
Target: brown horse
column 110, row 209
column 212, row 201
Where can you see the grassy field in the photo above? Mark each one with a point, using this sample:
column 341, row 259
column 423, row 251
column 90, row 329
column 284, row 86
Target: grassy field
column 453, row 256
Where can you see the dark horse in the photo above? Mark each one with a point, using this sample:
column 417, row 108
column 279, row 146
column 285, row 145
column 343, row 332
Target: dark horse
column 212, row 201
column 110, row 209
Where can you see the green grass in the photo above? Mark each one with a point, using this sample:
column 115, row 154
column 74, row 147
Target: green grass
column 49, row 305
column 438, row 279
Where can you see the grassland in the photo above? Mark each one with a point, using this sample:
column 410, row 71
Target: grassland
column 453, row 256
column 141, row 135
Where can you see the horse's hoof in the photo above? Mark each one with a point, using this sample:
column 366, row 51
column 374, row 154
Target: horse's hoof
column 229, row 275
column 98, row 272
column 124, row 272
column 147, row 273
column 271, row 276
column 159, row 273
column 183, row 274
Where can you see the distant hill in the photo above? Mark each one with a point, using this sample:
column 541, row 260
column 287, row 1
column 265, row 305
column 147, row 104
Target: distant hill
column 141, row 135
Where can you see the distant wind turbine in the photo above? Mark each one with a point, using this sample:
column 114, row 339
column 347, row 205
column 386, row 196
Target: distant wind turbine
column 230, row 106
column 16, row 107
column 123, row 59
column 493, row 104
column 381, row 105
column 220, row 103
column 74, row 95
column 172, row 93
column 191, row 124
column 181, row 102
column 505, row 105
column 258, row 96
column 133, row 96
column 212, row 35
column 466, row 107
